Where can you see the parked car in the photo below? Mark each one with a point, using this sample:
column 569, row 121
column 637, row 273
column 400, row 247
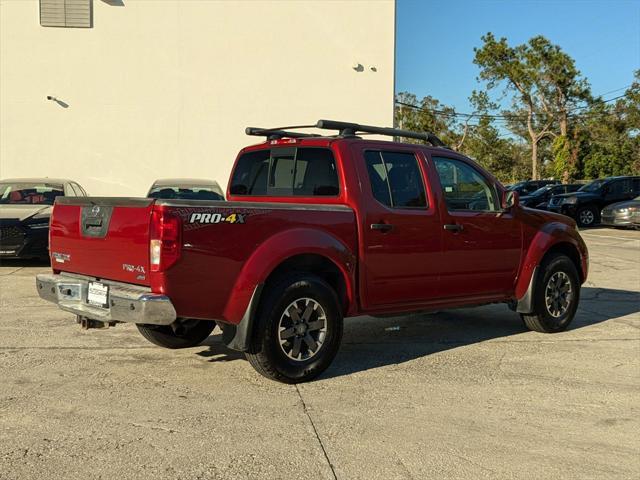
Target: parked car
column 316, row 228
column 585, row 204
column 25, row 210
column 540, row 198
column 530, row 186
column 185, row 189
column 622, row 214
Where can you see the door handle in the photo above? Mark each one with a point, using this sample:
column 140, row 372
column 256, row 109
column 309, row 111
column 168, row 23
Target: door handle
column 453, row 227
column 383, row 227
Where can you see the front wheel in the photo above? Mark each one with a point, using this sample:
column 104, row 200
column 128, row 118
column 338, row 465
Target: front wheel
column 182, row 333
column 298, row 329
column 587, row 216
column 556, row 296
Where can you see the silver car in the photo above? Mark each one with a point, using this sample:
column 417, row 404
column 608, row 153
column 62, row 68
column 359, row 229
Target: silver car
column 622, row 214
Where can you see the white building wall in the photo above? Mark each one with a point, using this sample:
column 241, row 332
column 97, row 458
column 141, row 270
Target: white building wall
column 164, row 88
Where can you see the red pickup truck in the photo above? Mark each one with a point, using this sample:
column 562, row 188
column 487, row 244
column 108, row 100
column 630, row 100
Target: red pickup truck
column 315, row 229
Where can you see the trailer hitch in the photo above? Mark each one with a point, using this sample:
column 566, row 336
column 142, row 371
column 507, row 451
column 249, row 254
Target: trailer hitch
column 87, row 323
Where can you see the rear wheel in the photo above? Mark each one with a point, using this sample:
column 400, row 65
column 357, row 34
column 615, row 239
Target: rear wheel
column 182, row 333
column 298, row 329
column 556, row 296
column 587, row 216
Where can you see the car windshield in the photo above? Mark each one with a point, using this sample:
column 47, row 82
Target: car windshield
column 29, row 193
column 541, row 190
column 185, row 192
column 593, row 186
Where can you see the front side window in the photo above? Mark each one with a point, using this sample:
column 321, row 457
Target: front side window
column 464, row 187
column 395, row 179
column 286, row 172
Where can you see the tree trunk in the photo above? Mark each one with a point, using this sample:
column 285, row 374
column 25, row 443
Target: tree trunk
column 534, row 159
column 534, row 143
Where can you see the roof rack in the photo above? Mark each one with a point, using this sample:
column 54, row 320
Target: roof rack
column 277, row 133
column 345, row 129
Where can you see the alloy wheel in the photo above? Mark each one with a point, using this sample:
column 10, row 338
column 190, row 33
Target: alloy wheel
column 587, row 217
column 558, row 294
column 302, row 329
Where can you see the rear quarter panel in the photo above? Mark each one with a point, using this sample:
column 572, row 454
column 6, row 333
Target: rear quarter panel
column 223, row 262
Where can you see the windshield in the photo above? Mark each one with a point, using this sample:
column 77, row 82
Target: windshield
column 515, row 185
column 593, row 186
column 185, row 192
column 541, row 190
column 29, row 193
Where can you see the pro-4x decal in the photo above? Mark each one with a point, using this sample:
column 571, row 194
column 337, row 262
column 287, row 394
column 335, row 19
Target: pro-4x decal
column 234, row 218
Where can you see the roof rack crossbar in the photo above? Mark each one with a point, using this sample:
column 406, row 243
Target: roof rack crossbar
column 275, row 134
column 350, row 129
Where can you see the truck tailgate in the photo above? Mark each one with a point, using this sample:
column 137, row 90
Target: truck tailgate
column 104, row 237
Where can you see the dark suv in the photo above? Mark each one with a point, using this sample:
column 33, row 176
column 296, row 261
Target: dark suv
column 540, row 198
column 529, row 186
column 585, row 204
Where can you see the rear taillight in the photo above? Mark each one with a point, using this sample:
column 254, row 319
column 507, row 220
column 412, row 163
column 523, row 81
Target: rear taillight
column 165, row 241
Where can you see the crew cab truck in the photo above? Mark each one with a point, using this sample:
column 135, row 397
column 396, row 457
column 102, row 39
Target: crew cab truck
column 315, row 229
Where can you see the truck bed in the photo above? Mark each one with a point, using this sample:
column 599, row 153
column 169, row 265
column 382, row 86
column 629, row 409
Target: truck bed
column 219, row 263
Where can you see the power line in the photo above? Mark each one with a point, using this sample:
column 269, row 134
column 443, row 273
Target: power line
column 498, row 117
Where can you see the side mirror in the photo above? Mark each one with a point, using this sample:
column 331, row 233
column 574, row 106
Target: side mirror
column 510, row 199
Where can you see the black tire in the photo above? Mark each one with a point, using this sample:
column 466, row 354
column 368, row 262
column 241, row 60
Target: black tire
column 587, row 216
column 268, row 356
column 542, row 319
column 184, row 333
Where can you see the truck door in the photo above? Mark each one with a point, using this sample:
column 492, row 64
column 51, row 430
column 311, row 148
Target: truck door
column 482, row 243
column 400, row 229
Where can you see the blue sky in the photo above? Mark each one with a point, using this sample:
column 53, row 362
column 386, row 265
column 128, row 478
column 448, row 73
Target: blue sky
column 435, row 40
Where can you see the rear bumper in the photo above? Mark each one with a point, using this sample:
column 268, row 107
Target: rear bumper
column 127, row 303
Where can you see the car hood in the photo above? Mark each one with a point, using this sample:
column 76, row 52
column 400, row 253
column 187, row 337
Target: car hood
column 529, row 198
column 23, row 212
column 626, row 204
column 584, row 195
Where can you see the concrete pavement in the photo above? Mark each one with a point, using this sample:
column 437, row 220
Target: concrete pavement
column 459, row 394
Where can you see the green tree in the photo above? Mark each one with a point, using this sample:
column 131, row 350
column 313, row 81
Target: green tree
column 426, row 115
column 613, row 146
column 544, row 86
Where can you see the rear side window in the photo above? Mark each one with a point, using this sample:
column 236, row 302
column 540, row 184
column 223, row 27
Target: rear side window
column 395, row 179
column 619, row 187
column 286, row 172
column 75, row 190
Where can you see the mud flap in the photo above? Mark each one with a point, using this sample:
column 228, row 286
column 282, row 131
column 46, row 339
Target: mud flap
column 238, row 337
column 525, row 304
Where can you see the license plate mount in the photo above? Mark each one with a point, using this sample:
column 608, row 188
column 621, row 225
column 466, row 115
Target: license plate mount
column 98, row 294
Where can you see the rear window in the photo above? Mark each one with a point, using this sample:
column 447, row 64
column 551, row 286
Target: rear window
column 184, row 192
column 30, row 193
column 286, row 172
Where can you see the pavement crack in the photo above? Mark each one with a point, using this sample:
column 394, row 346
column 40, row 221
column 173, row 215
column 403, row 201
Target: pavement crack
column 11, row 272
column 315, row 431
column 153, row 427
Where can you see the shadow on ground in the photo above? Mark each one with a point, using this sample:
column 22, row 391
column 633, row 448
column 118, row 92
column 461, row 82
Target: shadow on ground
column 22, row 262
column 371, row 343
